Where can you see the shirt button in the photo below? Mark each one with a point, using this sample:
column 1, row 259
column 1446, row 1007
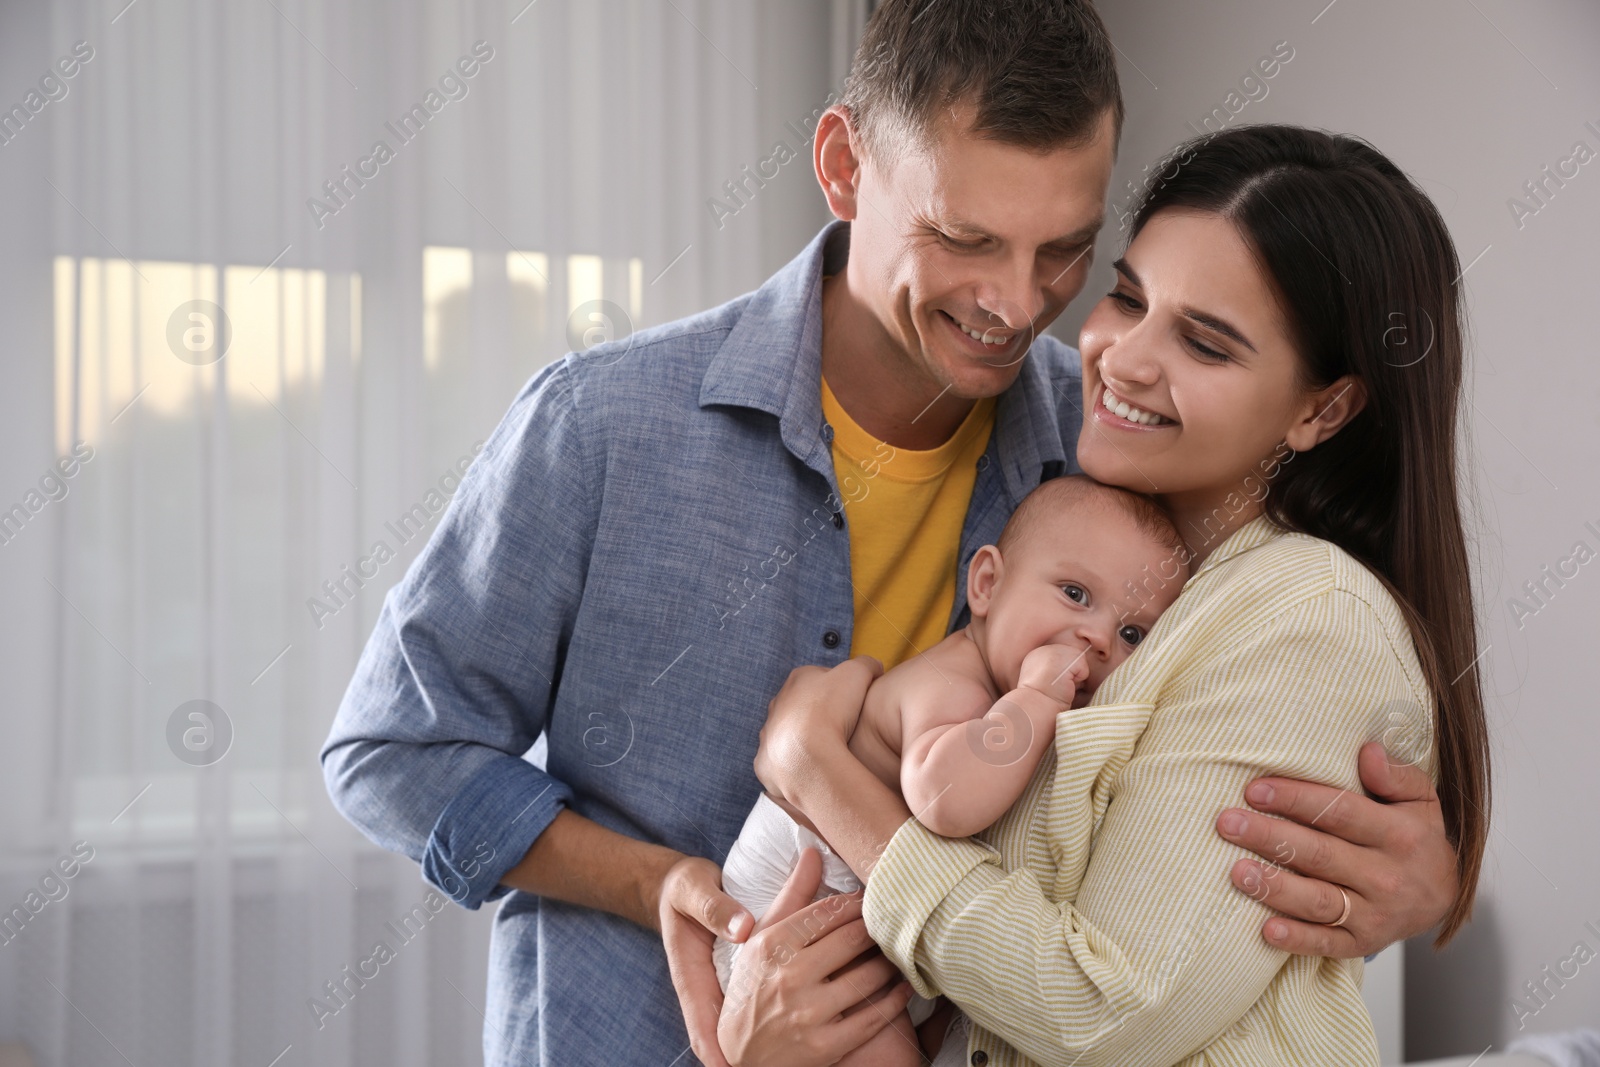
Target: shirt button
column 983, row 464
column 827, row 431
column 830, row 638
column 838, row 520
column 979, row 1058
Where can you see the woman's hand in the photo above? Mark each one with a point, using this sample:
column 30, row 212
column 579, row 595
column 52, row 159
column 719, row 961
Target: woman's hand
column 1390, row 855
column 802, row 994
column 817, row 707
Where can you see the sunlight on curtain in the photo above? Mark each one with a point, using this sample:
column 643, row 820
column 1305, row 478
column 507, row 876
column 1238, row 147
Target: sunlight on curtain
column 265, row 410
column 115, row 326
column 446, row 277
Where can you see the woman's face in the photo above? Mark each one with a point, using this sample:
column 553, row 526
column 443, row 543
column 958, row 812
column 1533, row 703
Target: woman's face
column 1189, row 375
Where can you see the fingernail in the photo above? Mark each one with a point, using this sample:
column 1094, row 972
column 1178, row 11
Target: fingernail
column 1260, row 793
column 735, row 925
column 1233, row 824
column 1277, row 931
column 1252, row 879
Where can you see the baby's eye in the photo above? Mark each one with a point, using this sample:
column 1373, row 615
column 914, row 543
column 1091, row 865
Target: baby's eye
column 1132, row 635
column 1076, row 593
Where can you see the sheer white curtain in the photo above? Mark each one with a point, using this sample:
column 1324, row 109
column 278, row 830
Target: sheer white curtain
column 249, row 352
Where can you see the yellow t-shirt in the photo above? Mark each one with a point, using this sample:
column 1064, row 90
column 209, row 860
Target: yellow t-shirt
column 906, row 510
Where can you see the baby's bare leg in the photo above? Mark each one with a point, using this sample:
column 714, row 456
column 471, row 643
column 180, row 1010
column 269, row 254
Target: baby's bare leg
column 893, row 1046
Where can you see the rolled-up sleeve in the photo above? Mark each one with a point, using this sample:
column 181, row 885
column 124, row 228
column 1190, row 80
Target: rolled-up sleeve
column 456, row 680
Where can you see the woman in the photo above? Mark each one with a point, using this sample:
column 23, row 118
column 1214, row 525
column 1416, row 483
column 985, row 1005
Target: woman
column 1247, row 370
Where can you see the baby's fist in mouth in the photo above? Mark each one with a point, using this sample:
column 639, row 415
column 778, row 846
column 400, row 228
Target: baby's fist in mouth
column 1057, row 671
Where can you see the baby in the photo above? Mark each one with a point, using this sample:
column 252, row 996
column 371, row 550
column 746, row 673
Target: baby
column 1070, row 590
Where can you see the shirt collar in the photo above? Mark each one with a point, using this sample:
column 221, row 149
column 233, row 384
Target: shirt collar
column 1258, row 531
column 1027, row 430
column 772, row 361
column 772, row 358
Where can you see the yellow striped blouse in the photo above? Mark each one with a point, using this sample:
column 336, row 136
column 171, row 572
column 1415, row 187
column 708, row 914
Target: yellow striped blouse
column 1095, row 922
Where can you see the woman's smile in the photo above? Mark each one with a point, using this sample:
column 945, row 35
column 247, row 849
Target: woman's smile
column 1113, row 410
column 1192, row 336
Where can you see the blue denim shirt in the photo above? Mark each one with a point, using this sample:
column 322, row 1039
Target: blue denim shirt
column 650, row 540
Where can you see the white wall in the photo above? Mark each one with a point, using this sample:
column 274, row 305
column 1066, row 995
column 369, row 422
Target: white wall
column 801, row 66
column 1472, row 98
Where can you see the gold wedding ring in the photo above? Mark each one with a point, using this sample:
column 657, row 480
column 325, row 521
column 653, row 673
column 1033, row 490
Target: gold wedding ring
column 1345, row 914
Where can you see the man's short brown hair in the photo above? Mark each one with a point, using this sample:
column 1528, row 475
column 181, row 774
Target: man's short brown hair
column 1040, row 73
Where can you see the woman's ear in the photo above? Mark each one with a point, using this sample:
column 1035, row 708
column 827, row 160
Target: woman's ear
column 983, row 574
column 1326, row 412
column 837, row 160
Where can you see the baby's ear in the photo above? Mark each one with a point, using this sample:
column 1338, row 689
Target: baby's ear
column 983, row 574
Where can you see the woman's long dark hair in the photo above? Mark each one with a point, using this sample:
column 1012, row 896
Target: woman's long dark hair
column 1366, row 274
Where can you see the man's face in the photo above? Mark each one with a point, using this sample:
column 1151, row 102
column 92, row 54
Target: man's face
column 971, row 236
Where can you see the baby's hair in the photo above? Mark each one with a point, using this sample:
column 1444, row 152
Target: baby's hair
column 1080, row 488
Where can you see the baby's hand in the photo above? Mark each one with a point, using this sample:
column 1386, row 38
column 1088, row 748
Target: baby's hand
column 1056, row 671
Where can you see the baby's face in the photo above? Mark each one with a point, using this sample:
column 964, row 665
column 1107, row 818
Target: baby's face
column 1087, row 578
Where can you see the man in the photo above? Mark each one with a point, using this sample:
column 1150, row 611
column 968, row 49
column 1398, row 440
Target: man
column 661, row 528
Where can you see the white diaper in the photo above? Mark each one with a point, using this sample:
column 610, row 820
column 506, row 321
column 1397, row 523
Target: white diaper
column 953, row 1053
column 760, row 862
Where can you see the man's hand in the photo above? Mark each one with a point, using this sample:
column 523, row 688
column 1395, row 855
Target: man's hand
column 1390, row 855
column 694, row 911
column 799, row 995
column 816, row 706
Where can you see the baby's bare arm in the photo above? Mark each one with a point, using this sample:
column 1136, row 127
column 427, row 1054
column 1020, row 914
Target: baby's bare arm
column 966, row 757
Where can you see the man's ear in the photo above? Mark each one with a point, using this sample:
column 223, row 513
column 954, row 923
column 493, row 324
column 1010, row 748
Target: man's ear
column 837, row 159
column 1326, row 412
column 983, row 574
